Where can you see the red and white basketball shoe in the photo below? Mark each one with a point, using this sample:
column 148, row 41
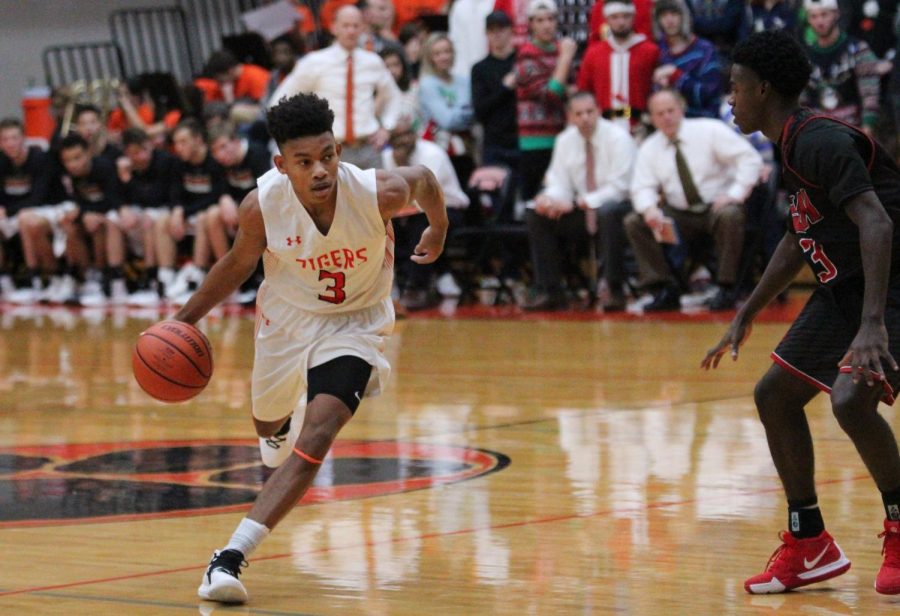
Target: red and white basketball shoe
column 799, row 562
column 887, row 582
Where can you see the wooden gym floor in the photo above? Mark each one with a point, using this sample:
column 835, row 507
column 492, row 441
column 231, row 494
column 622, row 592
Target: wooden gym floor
column 573, row 465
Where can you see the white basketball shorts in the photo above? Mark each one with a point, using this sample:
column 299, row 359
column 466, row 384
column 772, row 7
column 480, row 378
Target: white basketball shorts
column 290, row 341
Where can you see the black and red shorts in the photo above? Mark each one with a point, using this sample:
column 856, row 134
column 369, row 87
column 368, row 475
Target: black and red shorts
column 822, row 333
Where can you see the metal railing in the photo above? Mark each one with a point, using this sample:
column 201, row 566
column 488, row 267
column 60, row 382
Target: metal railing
column 211, row 20
column 101, row 60
column 154, row 40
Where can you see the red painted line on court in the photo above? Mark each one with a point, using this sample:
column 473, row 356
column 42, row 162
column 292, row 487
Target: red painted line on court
column 424, row 537
column 584, row 375
column 774, row 313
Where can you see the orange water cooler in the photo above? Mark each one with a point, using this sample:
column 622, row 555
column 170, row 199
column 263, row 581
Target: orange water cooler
column 38, row 122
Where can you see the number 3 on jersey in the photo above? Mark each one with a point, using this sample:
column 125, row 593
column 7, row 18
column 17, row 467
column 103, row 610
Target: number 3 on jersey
column 336, row 288
column 819, row 256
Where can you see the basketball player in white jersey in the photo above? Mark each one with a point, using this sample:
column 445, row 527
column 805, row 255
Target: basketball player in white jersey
column 324, row 311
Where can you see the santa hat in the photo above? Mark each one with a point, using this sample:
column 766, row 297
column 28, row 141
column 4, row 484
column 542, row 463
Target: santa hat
column 538, row 6
column 828, row 5
column 613, row 7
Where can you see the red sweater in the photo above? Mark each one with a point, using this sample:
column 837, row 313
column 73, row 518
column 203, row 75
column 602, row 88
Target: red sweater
column 603, row 67
column 539, row 104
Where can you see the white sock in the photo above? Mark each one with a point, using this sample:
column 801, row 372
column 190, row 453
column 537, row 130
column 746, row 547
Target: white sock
column 247, row 537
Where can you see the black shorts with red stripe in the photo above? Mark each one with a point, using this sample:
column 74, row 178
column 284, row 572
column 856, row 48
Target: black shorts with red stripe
column 824, row 330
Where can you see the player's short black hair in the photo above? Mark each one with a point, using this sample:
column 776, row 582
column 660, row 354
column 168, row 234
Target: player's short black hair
column 11, row 123
column 80, row 110
column 777, row 57
column 301, row 115
column 135, row 85
column 579, row 95
column 294, row 42
column 219, row 62
column 134, row 136
column 73, row 140
column 193, row 126
column 220, row 130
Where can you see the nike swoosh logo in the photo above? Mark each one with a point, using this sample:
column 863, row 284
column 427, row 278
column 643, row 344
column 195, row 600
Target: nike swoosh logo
column 358, row 399
column 809, row 564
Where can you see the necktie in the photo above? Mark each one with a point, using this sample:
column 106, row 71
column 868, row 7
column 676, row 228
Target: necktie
column 691, row 194
column 590, row 183
column 349, row 137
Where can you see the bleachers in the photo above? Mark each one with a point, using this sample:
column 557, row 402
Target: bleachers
column 87, row 62
column 155, row 40
column 175, row 40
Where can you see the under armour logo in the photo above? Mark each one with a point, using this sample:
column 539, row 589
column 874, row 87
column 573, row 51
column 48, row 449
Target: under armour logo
column 293, row 240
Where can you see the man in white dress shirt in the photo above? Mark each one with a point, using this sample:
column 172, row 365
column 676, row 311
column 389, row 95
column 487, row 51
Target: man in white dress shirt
column 405, row 150
column 357, row 85
column 582, row 202
column 692, row 175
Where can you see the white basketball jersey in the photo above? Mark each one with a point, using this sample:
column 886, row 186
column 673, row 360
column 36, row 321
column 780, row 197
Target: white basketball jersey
column 350, row 268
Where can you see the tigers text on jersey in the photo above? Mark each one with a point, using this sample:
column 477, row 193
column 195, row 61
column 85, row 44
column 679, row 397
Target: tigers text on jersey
column 349, row 268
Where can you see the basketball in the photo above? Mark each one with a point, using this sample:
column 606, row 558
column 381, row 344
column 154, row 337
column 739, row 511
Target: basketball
column 172, row 361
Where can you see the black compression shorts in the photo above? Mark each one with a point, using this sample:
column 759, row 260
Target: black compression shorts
column 344, row 377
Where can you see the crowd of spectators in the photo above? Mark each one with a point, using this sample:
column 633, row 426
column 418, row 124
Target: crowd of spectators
column 597, row 132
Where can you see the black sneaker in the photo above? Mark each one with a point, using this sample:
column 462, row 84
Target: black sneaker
column 725, row 299
column 220, row 582
column 667, row 298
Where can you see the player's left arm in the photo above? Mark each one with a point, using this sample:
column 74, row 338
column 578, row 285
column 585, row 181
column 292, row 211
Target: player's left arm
column 876, row 232
column 406, row 185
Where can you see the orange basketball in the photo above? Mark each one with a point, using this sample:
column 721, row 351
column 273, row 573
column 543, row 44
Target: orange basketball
column 172, row 361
